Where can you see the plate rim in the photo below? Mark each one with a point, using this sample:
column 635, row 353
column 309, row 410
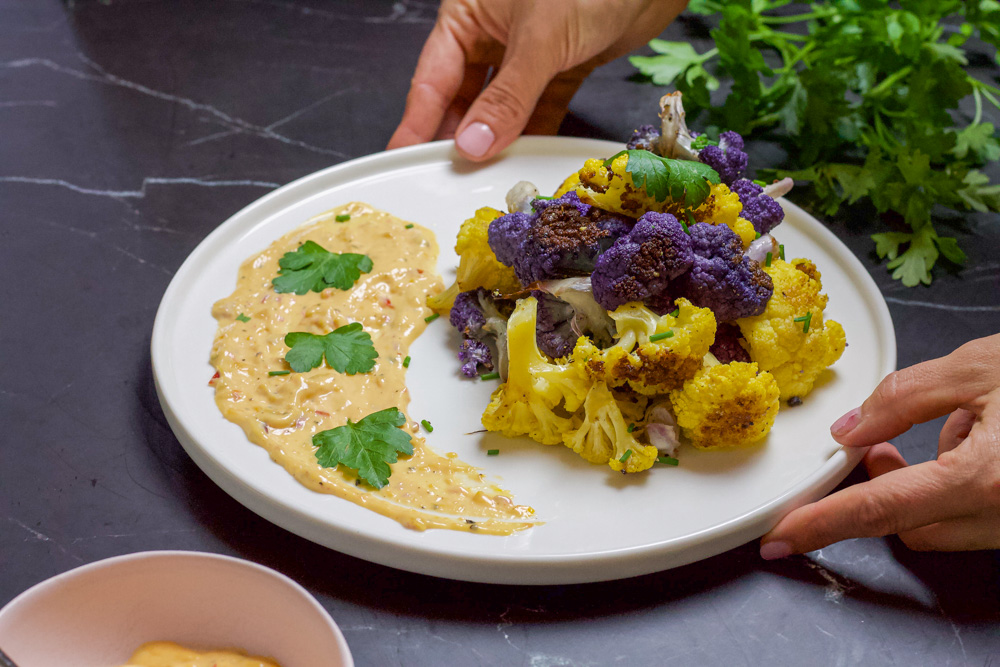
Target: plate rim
column 504, row 568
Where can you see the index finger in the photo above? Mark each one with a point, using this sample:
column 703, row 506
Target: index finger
column 436, row 81
column 922, row 392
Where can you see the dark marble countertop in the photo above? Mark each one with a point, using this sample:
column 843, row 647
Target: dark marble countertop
column 130, row 129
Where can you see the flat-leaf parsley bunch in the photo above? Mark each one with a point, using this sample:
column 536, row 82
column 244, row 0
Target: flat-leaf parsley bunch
column 865, row 96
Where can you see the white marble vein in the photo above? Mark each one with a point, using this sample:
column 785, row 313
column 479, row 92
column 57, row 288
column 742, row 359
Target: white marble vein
column 141, row 192
column 943, row 306
column 234, row 123
column 41, row 537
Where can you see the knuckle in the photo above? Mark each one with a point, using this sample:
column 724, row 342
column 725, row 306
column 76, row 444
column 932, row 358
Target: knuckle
column 872, row 517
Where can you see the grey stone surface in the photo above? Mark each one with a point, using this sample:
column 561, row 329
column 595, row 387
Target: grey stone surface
column 130, row 129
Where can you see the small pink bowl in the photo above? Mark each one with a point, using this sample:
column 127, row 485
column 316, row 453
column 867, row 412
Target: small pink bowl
column 98, row 614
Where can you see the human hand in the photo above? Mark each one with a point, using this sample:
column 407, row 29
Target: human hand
column 949, row 504
column 539, row 52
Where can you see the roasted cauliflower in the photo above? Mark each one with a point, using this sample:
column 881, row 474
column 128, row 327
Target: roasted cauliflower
column 791, row 339
column 726, row 405
column 477, row 265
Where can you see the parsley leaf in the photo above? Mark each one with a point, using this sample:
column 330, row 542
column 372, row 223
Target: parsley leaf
column 367, row 446
column 684, row 181
column 347, row 350
column 312, row 267
column 242, row 318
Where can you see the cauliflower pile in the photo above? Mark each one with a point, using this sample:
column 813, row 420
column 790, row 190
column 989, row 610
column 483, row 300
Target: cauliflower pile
column 646, row 302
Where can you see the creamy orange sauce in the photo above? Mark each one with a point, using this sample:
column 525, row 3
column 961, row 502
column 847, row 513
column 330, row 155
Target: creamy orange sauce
column 282, row 413
column 169, row 654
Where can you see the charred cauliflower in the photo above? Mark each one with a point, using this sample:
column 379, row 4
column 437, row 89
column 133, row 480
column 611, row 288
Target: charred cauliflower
column 726, row 405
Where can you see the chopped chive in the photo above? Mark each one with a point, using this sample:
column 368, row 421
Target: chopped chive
column 273, row 373
column 767, row 260
column 343, row 217
column 489, row 376
column 492, row 452
column 626, row 456
column 427, row 425
column 661, row 336
column 409, row 226
column 677, row 311
column 667, row 460
column 757, row 236
column 781, row 251
column 406, row 362
column 431, row 318
column 684, row 226
column 544, row 197
column 759, row 182
column 805, row 319
column 631, row 427
column 242, row 318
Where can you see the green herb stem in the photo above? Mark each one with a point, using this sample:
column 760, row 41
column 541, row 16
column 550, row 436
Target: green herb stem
column 492, row 452
column 406, row 361
column 489, row 376
column 431, row 318
column 427, row 425
column 661, row 336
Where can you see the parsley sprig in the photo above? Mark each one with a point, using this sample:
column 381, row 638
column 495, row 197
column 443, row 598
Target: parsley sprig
column 312, row 267
column 685, row 181
column 864, row 97
column 367, row 446
column 347, row 349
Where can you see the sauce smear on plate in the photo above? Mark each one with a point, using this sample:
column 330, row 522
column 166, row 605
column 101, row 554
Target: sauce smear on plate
column 282, row 412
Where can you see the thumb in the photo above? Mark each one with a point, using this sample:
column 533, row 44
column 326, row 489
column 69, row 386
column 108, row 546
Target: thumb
column 500, row 113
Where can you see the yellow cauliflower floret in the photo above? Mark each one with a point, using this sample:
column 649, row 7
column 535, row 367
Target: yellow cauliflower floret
column 726, row 405
column 791, row 339
column 536, row 387
column 601, row 434
column 647, row 366
column 477, row 265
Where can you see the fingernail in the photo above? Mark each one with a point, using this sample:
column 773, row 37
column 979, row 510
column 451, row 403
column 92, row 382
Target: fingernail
column 846, row 424
column 775, row 550
column 476, row 139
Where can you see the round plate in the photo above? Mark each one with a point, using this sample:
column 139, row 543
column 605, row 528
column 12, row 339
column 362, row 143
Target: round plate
column 597, row 525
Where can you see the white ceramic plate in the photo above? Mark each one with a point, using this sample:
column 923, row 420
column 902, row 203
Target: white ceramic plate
column 598, row 525
column 98, row 614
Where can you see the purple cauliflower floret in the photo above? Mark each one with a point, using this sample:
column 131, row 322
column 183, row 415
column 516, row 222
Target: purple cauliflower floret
column 562, row 238
column 646, row 138
column 641, row 264
column 467, row 313
column 727, row 158
column 726, row 347
column 722, row 277
column 554, row 328
column 476, row 317
column 473, row 353
column 760, row 209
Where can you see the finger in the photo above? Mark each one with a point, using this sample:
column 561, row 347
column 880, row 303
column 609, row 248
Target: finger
column 438, row 77
column 881, row 459
column 895, row 501
column 502, row 110
column 920, row 393
column 554, row 102
column 472, row 85
column 965, row 534
column 955, row 430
